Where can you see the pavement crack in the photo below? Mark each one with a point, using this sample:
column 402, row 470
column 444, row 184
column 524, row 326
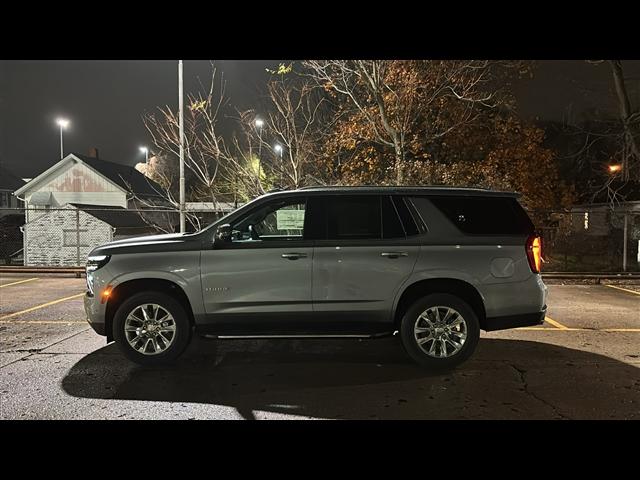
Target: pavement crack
column 521, row 374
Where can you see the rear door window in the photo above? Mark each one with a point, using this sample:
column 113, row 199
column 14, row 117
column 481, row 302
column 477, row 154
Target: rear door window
column 485, row 215
column 353, row 217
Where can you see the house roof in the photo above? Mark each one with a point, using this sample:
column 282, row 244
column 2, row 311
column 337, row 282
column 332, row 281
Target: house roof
column 124, row 176
column 8, row 181
column 117, row 217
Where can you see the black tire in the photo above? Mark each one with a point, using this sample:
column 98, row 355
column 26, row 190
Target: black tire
column 183, row 328
column 410, row 342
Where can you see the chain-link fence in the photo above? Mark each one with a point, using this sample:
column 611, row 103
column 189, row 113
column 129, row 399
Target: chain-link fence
column 579, row 240
column 64, row 236
column 590, row 239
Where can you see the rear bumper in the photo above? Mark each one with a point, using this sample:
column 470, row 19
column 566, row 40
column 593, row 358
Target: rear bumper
column 515, row 321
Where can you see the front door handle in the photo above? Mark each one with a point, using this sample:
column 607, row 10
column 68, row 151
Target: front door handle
column 394, row 254
column 294, row 255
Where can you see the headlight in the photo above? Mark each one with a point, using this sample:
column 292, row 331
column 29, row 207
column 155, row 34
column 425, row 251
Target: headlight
column 94, row 263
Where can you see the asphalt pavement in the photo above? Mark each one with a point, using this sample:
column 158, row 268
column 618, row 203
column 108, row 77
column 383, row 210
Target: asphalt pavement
column 584, row 363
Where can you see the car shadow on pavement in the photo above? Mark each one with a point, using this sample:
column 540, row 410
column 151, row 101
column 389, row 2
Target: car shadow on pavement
column 347, row 379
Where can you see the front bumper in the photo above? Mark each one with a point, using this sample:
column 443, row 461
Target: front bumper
column 515, row 321
column 95, row 313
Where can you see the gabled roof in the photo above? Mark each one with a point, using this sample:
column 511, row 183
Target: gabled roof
column 124, row 176
column 115, row 216
column 127, row 178
column 8, row 181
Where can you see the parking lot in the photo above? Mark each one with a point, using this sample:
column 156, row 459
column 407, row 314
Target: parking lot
column 583, row 363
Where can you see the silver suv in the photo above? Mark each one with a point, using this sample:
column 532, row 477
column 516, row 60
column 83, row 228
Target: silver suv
column 434, row 265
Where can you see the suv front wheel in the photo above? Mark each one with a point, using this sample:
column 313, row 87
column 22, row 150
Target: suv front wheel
column 440, row 331
column 151, row 328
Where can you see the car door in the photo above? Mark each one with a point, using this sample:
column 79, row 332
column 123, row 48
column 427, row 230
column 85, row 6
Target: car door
column 260, row 282
column 361, row 258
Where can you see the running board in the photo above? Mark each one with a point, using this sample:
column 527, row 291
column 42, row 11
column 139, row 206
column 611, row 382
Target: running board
column 247, row 337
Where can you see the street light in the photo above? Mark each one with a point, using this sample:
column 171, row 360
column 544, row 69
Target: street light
column 259, row 124
column 615, row 168
column 278, row 150
column 62, row 123
column 145, row 150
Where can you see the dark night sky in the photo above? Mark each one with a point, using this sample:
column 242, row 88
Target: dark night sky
column 104, row 100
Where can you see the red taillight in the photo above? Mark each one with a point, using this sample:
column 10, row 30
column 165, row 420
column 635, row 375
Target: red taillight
column 534, row 253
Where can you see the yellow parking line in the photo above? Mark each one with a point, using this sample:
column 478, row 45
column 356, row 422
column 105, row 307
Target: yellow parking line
column 558, row 325
column 16, row 283
column 37, row 307
column 623, row 289
column 45, row 322
column 567, row 329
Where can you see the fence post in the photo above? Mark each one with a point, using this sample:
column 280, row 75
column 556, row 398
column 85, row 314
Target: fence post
column 77, row 237
column 624, row 239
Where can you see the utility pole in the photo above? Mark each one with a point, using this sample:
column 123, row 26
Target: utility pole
column 181, row 120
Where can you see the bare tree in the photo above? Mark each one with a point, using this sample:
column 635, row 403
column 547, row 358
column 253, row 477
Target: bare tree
column 205, row 148
column 392, row 96
column 289, row 142
column 630, row 120
column 611, row 145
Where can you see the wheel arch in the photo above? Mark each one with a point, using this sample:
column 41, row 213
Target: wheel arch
column 454, row 286
column 124, row 290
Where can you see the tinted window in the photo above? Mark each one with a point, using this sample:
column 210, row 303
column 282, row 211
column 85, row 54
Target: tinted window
column 485, row 215
column 407, row 219
column 391, row 226
column 353, row 217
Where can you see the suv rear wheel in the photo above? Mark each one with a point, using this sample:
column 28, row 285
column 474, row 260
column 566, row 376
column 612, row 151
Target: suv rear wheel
column 440, row 331
column 151, row 328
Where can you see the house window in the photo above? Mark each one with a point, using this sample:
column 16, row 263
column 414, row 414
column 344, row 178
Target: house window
column 586, row 220
column 4, row 199
column 70, row 238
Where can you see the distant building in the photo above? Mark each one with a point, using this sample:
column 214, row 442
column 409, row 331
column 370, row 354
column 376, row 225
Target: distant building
column 81, row 202
column 11, row 218
column 90, row 181
column 9, row 183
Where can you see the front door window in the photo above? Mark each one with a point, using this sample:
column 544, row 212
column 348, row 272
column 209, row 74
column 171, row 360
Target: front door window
column 282, row 220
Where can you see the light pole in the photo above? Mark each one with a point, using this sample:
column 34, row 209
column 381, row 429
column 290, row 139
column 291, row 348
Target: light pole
column 181, row 120
column 259, row 125
column 145, row 150
column 62, row 123
column 278, row 150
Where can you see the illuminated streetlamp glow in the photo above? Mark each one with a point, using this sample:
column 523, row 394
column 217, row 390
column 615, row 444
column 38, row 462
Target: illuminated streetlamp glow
column 278, row 149
column 615, row 168
column 259, row 123
column 145, row 150
column 62, row 123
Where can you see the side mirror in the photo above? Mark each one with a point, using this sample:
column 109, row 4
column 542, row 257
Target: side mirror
column 222, row 235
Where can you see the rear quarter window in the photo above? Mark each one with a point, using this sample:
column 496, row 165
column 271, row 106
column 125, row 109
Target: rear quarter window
column 485, row 215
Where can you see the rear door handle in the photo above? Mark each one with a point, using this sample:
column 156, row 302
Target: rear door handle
column 294, row 255
column 394, row 254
